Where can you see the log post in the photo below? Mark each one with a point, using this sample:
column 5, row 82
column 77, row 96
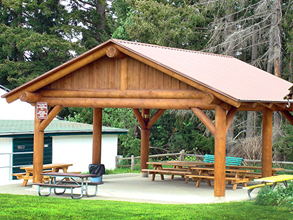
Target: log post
column 145, row 142
column 267, row 140
column 97, row 136
column 38, row 157
column 220, row 153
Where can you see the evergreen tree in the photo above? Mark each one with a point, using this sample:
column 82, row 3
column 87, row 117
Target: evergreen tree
column 32, row 39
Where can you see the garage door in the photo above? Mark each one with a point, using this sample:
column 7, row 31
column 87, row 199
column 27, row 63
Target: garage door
column 25, row 147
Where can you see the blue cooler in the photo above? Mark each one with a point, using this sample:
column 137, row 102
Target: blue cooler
column 96, row 179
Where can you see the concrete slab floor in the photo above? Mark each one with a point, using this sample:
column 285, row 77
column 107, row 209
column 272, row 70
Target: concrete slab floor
column 134, row 188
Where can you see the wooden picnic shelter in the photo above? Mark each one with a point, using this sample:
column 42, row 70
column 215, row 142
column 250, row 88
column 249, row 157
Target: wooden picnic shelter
column 123, row 74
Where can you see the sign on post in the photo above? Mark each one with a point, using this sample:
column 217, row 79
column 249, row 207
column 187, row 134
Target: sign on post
column 42, row 110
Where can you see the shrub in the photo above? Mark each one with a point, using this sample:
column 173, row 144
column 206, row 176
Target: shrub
column 279, row 196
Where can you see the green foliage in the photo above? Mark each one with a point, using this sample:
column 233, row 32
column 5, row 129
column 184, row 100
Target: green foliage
column 91, row 21
column 123, row 170
column 173, row 132
column 32, row 39
column 124, row 118
column 276, row 197
column 284, row 144
column 167, row 23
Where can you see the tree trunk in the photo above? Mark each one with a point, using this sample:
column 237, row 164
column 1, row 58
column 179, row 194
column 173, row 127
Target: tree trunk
column 277, row 46
column 101, row 23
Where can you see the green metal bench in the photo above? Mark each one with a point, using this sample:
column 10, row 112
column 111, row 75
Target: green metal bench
column 229, row 160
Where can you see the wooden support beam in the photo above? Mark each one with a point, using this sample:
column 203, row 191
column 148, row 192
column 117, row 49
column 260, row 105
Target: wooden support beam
column 288, row 116
column 109, row 93
column 145, row 113
column 113, row 52
column 281, row 105
column 129, row 103
column 59, row 72
column 267, row 142
column 178, row 76
column 230, row 116
column 205, row 120
column 220, row 152
column 248, row 107
column 38, row 156
column 30, row 97
column 97, row 136
column 267, row 105
column 145, row 142
column 123, row 75
column 209, row 98
column 52, row 114
column 139, row 119
column 155, row 117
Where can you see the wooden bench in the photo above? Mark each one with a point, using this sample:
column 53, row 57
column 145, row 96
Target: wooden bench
column 233, row 180
column 23, row 176
column 167, row 171
column 253, row 187
column 229, row 160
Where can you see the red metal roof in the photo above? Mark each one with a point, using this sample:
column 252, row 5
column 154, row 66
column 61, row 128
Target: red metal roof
column 224, row 74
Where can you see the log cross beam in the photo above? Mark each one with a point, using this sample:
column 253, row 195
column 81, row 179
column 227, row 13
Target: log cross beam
column 288, row 116
column 51, row 115
column 146, row 123
column 149, row 123
column 209, row 123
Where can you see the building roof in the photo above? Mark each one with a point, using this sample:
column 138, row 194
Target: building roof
column 10, row 128
column 224, row 75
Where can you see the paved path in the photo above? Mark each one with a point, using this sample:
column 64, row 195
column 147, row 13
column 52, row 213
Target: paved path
column 134, row 188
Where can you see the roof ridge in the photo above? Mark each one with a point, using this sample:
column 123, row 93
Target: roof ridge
column 170, row 48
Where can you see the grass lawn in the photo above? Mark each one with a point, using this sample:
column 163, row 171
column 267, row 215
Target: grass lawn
column 35, row 207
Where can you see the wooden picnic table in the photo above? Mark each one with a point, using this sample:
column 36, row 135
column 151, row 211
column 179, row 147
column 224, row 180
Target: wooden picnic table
column 178, row 168
column 28, row 175
column 68, row 181
column 234, row 176
column 254, row 175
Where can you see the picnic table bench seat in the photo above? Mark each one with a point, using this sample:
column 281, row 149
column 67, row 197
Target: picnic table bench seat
column 233, row 180
column 167, row 171
column 22, row 176
column 54, row 186
column 89, row 183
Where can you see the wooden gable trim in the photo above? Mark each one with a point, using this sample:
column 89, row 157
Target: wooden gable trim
column 52, row 76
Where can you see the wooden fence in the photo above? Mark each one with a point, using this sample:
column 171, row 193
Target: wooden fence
column 182, row 156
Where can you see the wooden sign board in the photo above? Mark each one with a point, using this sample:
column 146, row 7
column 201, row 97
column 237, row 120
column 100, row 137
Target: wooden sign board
column 42, row 110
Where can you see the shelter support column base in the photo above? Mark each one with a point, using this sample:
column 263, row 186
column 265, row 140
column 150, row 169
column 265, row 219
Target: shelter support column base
column 145, row 136
column 144, row 174
column 218, row 199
